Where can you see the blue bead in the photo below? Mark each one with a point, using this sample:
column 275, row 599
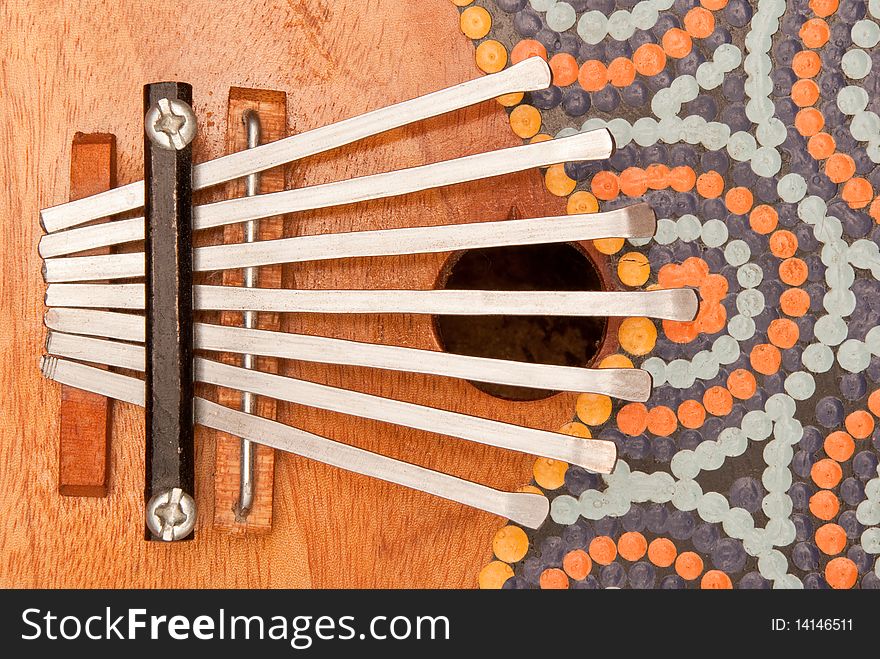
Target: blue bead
column 803, row 526
column 753, row 581
column 852, row 491
column 575, row 102
column 660, row 81
column 546, row 99
column 719, row 36
column 733, row 87
column 865, row 465
column 829, row 412
column 590, row 583
column 606, row 526
column 606, row 99
column 552, row 550
column 785, row 49
column 613, row 576
column 746, row 492
column 663, row 449
column 656, row 516
column 578, row 535
column 805, row 556
column 735, row 117
column 729, row 555
column 672, row 582
column 853, row 386
column 527, row 22
column 642, row 575
column 738, row 13
column 705, row 538
column 848, row 522
column 680, row 524
column 815, row 581
column 635, row 95
column 800, row 494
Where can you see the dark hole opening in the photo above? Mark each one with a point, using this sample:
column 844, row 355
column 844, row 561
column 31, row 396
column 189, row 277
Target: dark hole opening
column 559, row 340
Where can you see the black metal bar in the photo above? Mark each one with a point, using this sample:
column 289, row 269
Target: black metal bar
column 169, row 333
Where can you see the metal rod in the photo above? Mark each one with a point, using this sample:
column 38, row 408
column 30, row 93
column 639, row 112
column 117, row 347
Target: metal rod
column 169, row 126
column 592, row 145
column 529, row 75
column 247, row 459
column 625, row 383
column 637, row 221
column 530, row 510
column 668, row 304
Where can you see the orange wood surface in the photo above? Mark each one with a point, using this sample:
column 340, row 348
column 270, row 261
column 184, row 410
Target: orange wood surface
column 83, row 439
column 81, row 66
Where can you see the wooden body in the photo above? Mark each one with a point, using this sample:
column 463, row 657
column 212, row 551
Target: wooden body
column 81, row 67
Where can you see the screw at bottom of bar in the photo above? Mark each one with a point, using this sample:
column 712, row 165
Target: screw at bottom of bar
column 171, row 515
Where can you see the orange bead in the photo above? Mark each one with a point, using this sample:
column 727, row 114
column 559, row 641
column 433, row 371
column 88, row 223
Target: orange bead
column 649, row 59
column 632, row 419
column 839, row 446
column 699, row 22
column 783, row 244
column 593, row 75
column 525, row 120
column 713, row 288
column 582, row 202
column 857, row 192
column 783, row 333
column 831, row 539
column 821, row 146
column 577, row 564
column 824, row 505
column 815, row 33
column 658, row 176
column 553, row 579
column 718, row 401
column 565, row 69
column 840, row 167
column 741, row 384
column 688, row 565
column 691, row 414
column 662, row 552
column 716, row 580
column 633, row 182
column 491, row 56
column 874, row 211
column 710, row 185
column 714, row 5
column 809, row 121
column 475, row 22
column 739, row 200
column 824, row 8
column 661, row 421
column 794, row 302
column 826, row 473
column 558, row 182
column 682, row 179
column 841, row 573
column 859, row 424
column 527, row 48
column 804, row 92
column 677, row 43
column 603, row 550
column 765, row 358
column 793, row 271
column 806, row 64
column 632, row 546
column 605, row 185
column 621, row 72
column 874, row 402
column 763, row 219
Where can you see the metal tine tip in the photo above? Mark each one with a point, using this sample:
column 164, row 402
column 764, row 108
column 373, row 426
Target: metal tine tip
column 595, row 455
column 636, row 221
column 592, row 145
column 666, row 304
column 529, row 75
column 528, row 509
column 627, row 384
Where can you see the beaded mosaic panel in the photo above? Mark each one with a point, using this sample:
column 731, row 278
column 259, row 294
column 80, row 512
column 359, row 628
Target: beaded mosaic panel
column 752, row 129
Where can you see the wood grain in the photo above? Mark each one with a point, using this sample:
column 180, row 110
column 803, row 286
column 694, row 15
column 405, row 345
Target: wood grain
column 81, row 67
column 84, row 428
column 271, row 107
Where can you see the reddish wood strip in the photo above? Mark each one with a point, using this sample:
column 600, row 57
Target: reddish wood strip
column 85, row 417
column 272, row 109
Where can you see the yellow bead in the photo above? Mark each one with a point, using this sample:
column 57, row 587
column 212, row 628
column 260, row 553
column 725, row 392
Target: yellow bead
column 549, row 473
column 493, row 575
column 475, row 22
column 511, row 99
column 582, row 202
column 576, row 429
column 491, row 56
column 558, row 182
column 637, row 335
column 530, row 489
column 616, row 361
column 593, row 409
column 633, row 269
column 608, row 245
column 462, row 3
column 510, row 544
column 525, row 121
column 540, row 137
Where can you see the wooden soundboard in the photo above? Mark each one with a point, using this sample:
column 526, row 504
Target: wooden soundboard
column 81, row 67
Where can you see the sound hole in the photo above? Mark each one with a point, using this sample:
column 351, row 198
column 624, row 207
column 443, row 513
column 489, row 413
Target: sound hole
column 560, row 340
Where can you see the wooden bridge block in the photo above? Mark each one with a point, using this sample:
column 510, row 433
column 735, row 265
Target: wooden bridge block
column 85, row 417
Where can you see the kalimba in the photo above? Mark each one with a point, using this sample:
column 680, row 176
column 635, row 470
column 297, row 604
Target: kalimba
column 138, row 311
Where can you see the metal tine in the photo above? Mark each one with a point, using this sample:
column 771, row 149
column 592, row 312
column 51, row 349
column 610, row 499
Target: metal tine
column 636, row 221
column 592, row 145
column 596, row 455
column 530, row 75
column 666, row 304
column 527, row 509
column 624, row 383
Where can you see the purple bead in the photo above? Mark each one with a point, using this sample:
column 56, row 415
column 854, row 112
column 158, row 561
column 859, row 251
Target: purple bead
column 688, row 64
column 660, row 81
column 606, row 99
column 641, row 37
column 800, row 494
column 682, row 7
column 851, row 11
column 784, row 50
column 689, row 439
column 552, row 550
column 853, row 386
column 685, row 202
column 805, row 556
column 656, row 516
column 729, row 555
column 577, row 480
column 815, row 267
column 531, row 570
column 623, row 158
column 577, row 535
column 546, row 99
column 672, row 582
column 765, row 190
column 735, row 117
column 613, row 576
column 829, row 412
column 615, row 49
column 592, row 51
column 511, row 6
column 802, row 463
column 812, row 439
column 663, row 449
column 803, row 527
column 681, row 155
column 705, row 107
column 605, row 6
column 655, row 153
column 865, row 465
column 743, row 175
column 515, row 583
column 527, row 22
column 870, row 581
column 582, row 170
column 738, row 13
column 733, row 87
column 820, row 185
column 753, row 581
column 848, row 522
column 783, row 78
column 635, row 95
column 680, row 524
column 606, row 526
column 715, row 160
column 590, row 583
column 575, row 102
column 815, row 581
column 637, row 447
column 642, row 575
column 746, row 492
column 864, row 165
column 705, row 538
column 570, row 43
column 549, row 39
column 874, row 369
column 719, row 36
column 665, row 22
column 861, row 558
column 852, row 491
column 786, row 111
column 843, row 138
